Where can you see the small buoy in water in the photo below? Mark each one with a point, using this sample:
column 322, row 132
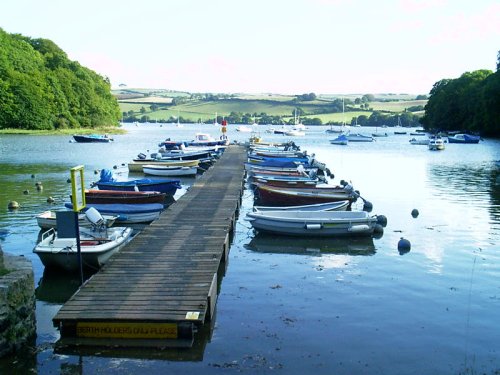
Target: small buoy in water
column 50, row 200
column 414, row 212
column 404, row 246
column 68, row 180
column 26, row 192
column 382, row 220
column 39, row 187
column 96, row 171
column 123, row 164
column 13, row 205
column 32, row 176
column 115, row 167
column 38, row 183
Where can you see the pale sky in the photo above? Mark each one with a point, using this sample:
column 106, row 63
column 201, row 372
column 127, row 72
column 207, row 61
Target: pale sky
column 275, row 46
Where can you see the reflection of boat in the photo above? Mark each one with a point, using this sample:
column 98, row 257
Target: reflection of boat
column 97, row 246
column 314, row 224
column 57, row 287
column 268, row 243
column 92, row 138
column 464, row 138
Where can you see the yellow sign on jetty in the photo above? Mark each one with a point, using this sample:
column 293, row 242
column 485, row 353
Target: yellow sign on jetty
column 127, row 330
column 77, row 188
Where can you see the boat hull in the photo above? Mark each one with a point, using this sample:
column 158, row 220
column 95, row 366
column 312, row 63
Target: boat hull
column 158, row 170
column 138, row 164
column 127, row 197
column 62, row 253
column 272, row 196
column 91, row 139
column 167, row 187
column 328, row 206
column 128, row 213
column 314, row 224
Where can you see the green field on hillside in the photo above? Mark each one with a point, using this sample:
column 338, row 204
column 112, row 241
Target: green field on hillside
column 195, row 110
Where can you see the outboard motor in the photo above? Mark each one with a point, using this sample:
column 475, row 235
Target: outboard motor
column 106, row 176
column 141, row 156
column 96, row 220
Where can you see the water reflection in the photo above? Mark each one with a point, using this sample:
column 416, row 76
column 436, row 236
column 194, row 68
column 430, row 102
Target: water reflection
column 56, row 287
column 266, row 243
column 461, row 182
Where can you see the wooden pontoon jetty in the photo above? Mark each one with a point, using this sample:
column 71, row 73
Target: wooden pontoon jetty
column 161, row 287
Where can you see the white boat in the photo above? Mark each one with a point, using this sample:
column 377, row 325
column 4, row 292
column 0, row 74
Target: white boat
column 436, row 144
column 421, row 141
column 127, row 213
column 314, row 224
column 328, row 206
column 160, row 170
column 137, row 164
column 47, row 220
column 294, row 133
column 244, row 129
column 356, row 137
column 340, row 140
column 97, row 245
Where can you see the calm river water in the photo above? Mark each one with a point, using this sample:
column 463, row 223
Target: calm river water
column 296, row 306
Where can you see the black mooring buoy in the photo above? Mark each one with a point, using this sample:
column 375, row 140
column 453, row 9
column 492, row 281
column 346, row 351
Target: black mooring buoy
column 414, row 212
column 404, row 246
column 382, row 220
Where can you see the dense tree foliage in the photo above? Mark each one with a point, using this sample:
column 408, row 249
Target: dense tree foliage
column 40, row 88
column 470, row 103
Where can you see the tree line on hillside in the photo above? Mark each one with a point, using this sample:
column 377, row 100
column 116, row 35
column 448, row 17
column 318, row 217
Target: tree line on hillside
column 470, row 103
column 41, row 89
column 375, row 119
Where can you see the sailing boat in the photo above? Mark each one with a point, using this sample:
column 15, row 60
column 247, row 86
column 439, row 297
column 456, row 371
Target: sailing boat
column 338, row 129
column 179, row 125
column 215, row 120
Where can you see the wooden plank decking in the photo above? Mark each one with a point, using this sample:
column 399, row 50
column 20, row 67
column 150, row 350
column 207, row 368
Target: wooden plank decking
column 163, row 284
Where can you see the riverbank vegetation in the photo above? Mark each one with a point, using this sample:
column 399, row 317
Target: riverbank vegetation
column 470, row 103
column 41, row 89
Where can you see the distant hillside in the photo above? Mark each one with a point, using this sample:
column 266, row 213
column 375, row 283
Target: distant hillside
column 145, row 105
column 41, row 89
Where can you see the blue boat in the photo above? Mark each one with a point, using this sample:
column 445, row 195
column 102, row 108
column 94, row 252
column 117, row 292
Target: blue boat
column 464, row 138
column 91, row 138
column 127, row 213
column 167, row 186
column 279, row 162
